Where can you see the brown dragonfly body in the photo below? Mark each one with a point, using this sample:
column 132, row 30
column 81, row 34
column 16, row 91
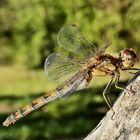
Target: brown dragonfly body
column 79, row 72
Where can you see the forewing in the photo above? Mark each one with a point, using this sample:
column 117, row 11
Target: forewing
column 59, row 68
column 70, row 38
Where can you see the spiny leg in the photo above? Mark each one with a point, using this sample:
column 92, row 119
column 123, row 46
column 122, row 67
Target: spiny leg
column 106, row 98
column 127, row 69
column 131, row 69
column 117, row 83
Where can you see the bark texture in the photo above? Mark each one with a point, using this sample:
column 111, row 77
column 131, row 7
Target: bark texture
column 126, row 121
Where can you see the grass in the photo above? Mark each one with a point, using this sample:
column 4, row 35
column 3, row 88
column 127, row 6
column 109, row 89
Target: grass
column 19, row 81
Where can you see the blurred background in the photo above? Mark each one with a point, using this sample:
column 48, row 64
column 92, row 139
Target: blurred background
column 28, row 34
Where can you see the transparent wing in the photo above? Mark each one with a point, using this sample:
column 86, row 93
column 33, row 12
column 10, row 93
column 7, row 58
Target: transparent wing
column 73, row 84
column 70, row 38
column 60, row 68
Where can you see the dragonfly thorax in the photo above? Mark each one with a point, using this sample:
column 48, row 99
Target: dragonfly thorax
column 128, row 57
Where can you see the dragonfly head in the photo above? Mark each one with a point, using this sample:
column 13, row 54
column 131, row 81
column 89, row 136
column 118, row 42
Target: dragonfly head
column 128, row 57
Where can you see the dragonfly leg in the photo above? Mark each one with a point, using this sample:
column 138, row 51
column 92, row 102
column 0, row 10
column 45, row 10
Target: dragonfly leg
column 127, row 69
column 117, row 83
column 131, row 69
column 131, row 72
column 106, row 98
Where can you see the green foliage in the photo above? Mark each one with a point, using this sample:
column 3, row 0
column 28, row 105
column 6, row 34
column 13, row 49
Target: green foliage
column 28, row 29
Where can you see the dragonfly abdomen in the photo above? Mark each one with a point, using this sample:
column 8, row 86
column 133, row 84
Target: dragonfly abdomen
column 35, row 104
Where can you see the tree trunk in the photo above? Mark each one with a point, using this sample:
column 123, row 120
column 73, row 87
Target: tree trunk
column 125, row 124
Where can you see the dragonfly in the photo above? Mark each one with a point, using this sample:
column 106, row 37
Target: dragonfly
column 76, row 74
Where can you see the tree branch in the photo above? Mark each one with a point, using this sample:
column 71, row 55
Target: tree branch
column 126, row 122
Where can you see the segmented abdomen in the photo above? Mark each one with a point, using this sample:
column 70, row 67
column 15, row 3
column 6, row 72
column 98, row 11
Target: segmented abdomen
column 35, row 104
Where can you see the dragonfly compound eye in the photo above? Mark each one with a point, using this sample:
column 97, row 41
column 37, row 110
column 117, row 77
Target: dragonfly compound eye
column 128, row 57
